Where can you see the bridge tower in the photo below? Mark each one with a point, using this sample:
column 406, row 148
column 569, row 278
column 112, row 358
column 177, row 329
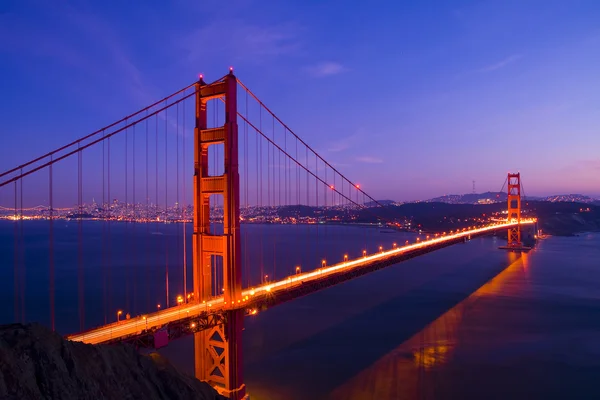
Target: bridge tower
column 514, row 210
column 218, row 351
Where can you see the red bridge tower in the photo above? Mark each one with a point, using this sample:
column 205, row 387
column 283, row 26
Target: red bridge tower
column 514, row 210
column 218, row 351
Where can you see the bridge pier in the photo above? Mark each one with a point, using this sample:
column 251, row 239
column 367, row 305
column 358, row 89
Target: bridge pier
column 218, row 356
column 218, row 351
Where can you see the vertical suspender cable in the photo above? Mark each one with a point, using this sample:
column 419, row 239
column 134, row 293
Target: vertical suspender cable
column 104, row 296
column 297, row 176
column 166, row 213
column 184, row 206
column 279, row 191
column 178, row 209
column 262, row 272
column 279, row 201
column 147, row 221
column 257, row 192
column 22, row 252
column 51, row 245
column 16, row 260
column 269, row 174
column 16, row 279
column 325, row 187
column 127, row 218
column 134, row 223
column 156, row 199
column 80, row 240
column 246, row 173
column 285, row 172
column 307, row 241
column 318, row 241
column 269, row 166
column 109, row 241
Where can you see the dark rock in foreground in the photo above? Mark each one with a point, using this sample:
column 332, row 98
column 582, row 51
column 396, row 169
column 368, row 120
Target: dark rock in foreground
column 36, row 363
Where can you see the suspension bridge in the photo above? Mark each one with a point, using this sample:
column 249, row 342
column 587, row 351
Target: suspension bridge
column 161, row 281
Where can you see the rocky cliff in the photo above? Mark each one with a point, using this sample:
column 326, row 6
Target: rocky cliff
column 36, row 363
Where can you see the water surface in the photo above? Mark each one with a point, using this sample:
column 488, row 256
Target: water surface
column 466, row 322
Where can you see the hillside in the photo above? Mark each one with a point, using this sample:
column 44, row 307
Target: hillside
column 36, row 363
column 558, row 218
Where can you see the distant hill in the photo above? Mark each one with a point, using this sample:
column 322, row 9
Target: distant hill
column 491, row 197
column 555, row 218
column 578, row 198
column 471, row 198
column 382, row 202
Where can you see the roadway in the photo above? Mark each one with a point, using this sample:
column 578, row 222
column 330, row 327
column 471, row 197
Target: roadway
column 294, row 285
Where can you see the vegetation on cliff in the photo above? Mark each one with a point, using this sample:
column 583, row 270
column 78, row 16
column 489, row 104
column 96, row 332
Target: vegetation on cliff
column 36, row 363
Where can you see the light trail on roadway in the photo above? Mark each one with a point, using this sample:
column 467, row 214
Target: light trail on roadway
column 136, row 325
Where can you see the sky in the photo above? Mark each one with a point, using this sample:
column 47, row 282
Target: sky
column 412, row 99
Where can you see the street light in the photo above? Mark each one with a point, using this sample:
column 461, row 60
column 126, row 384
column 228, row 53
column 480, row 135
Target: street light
column 323, row 263
column 179, row 300
column 297, row 269
column 381, row 249
column 145, row 319
column 365, row 253
column 345, row 257
column 266, row 278
column 119, row 314
column 394, row 245
column 158, row 307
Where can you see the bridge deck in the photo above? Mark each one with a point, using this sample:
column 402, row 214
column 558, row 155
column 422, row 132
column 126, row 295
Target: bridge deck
column 273, row 293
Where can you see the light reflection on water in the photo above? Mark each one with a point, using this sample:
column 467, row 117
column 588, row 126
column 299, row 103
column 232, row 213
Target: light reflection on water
column 409, row 371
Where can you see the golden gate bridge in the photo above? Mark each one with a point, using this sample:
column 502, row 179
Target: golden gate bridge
column 244, row 157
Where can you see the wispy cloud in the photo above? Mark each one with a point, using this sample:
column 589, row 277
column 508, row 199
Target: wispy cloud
column 342, row 144
column 339, row 165
column 327, row 68
column 501, row 64
column 369, row 160
column 241, row 40
column 339, row 146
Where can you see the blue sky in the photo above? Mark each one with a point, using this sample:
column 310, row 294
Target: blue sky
column 412, row 99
